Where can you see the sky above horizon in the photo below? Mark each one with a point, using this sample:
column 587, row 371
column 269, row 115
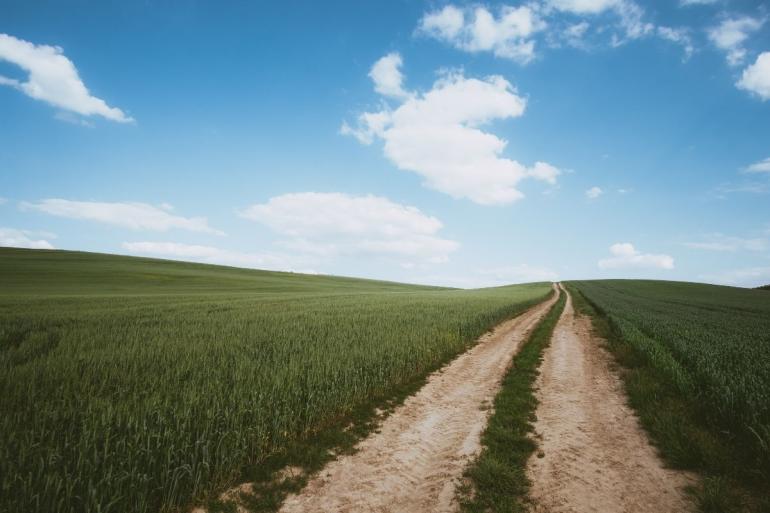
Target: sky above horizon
column 450, row 143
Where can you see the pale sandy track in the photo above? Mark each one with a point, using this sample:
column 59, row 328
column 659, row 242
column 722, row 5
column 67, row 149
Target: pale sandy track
column 413, row 463
column 595, row 455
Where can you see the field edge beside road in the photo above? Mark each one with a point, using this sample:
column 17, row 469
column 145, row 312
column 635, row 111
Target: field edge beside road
column 140, row 385
column 672, row 422
column 290, row 473
column 496, row 480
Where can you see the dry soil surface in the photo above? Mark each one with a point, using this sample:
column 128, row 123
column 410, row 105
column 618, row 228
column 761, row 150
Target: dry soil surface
column 594, row 456
column 412, row 465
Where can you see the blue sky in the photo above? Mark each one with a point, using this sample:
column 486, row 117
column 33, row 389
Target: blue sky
column 465, row 144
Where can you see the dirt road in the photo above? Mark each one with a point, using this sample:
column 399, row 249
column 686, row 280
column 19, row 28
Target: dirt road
column 413, row 463
column 595, row 456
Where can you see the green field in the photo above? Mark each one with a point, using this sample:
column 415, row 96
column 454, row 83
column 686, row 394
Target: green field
column 700, row 360
column 140, row 385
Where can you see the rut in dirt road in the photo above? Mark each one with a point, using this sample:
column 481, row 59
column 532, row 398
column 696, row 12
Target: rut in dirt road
column 595, row 455
column 413, row 463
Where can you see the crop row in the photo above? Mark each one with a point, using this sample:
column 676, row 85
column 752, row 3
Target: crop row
column 142, row 403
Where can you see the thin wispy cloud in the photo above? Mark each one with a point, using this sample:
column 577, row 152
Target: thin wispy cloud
column 594, row 192
column 332, row 224
column 626, row 256
column 13, row 238
column 720, row 242
column 744, row 277
column 219, row 256
column 131, row 215
column 513, row 31
column 53, row 78
column 762, row 166
column 731, row 33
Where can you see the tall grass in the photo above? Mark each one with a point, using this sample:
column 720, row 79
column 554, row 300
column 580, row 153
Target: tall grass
column 139, row 385
column 699, row 360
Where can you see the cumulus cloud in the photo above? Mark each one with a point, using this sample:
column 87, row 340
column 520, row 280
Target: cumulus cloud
column 594, row 192
column 507, row 35
column 685, row 3
column 387, row 77
column 756, row 77
column 12, row 238
column 53, row 78
column 730, row 35
column 135, row 216
column 624, row 255
column 763, row 166
column 328, row 224
column 214, row 255
column 437, row 136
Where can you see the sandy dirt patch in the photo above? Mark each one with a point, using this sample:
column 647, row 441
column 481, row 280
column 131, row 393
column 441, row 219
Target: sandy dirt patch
column 593, row 455
column 415, row 461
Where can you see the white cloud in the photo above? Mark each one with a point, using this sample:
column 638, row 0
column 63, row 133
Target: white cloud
column 213, row 255
column 436, row 135
column 53, row 78
column 679, row 36
column 594, row 192
column 12, row 238
column 584, row 6
column 756, row 77
column 730, row 35
column 745, row 277
column 763, row 166
column 624, row 255
column 327, row 224
column 574, row 33
column 509, row 35
column 136, row 216
column 3, row 201
column 685, row 3
column 630, row 14
column 387, row 77
column 445, row 24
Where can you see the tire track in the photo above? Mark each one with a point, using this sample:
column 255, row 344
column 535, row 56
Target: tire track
column 594, row 455
column 413, row 463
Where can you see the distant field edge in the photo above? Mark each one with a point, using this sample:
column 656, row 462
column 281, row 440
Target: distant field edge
column 732, row 480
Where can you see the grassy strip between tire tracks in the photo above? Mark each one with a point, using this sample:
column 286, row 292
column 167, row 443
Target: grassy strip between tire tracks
column 497, row 480
column 674, row 426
